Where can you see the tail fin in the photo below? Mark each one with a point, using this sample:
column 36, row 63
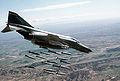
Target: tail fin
column 14, row 18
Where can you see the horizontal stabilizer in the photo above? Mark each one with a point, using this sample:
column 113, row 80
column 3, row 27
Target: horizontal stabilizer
column 6, row 29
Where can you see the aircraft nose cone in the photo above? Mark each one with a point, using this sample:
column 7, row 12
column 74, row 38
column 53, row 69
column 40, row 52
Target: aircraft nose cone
column 87, row 50
column 83, row 48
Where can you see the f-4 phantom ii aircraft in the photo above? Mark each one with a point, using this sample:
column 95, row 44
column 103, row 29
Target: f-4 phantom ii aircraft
column 42, row 38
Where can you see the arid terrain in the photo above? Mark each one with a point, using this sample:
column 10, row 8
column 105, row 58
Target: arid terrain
column 103, row 64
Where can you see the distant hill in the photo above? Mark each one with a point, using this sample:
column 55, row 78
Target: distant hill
column 117, row 49
column 100, row 27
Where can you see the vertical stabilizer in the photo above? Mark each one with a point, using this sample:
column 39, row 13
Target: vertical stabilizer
column 14, row 18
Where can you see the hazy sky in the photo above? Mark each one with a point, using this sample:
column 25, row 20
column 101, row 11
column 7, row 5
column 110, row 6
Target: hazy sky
column 40, row 12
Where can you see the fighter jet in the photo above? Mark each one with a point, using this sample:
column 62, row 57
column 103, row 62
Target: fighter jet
column 42, row 38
